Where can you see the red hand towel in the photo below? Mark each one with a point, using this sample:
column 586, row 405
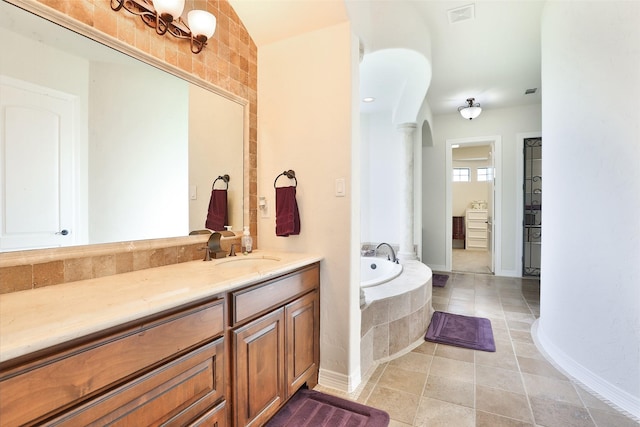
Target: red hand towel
column 287, row 215
column 217, row 216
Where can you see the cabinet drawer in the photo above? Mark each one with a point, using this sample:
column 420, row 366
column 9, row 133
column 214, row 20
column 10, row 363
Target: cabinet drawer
column 476, row 215
column 174, row 394
column 63, row 379
column 475, row 233
column 477, row 225
column 476, row 243
column 248, row 303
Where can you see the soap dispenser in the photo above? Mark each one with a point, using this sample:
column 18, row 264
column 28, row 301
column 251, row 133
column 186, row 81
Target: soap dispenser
column 247, row 240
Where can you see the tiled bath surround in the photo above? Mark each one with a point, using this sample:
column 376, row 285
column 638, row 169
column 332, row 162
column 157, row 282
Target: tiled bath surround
column 391, row 325
column 229, row 61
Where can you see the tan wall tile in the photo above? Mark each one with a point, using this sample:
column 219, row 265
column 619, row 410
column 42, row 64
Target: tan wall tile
column 77, row 269
column 48, row 273
column 124, row 262
column 13, row 279
column 103, row 265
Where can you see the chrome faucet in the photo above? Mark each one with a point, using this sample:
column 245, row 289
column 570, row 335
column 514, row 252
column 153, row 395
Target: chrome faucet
column 213, row 250
column 391, row 257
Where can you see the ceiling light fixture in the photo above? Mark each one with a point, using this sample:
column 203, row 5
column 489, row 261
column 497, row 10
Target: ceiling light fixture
column 368, row 99
column 471, row 110
column 165, row 16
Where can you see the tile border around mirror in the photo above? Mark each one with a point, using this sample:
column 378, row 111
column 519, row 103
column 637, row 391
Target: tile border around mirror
column 227, row 66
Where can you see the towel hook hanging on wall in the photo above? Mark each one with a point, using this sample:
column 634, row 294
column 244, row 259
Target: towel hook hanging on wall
column 225, row 178
column 289, row 174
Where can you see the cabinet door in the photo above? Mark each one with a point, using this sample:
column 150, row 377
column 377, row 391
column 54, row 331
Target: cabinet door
column 303, row 353
column 259, row 369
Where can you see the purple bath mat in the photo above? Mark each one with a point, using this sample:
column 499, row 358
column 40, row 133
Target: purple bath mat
column 439, row 280
column 461, row 331
column 309, row 408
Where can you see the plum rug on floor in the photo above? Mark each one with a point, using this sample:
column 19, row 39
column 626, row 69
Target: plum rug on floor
column 461, row 331
column 439, row 280
column 310, row 408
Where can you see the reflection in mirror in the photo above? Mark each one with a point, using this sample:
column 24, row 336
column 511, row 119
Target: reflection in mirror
column 99, row 147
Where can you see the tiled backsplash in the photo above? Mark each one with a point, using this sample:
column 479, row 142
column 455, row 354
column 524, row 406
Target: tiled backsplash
column 25, row 270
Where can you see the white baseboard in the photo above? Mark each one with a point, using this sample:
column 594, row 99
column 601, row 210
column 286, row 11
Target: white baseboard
column 342, row 382
column 603, row 389
column 442, row 268
column 508, row 273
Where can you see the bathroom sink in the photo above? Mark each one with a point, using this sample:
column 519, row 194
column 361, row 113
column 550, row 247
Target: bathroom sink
column 240, row 262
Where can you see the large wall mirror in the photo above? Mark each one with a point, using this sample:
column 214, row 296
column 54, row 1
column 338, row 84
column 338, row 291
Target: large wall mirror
column 100, row 147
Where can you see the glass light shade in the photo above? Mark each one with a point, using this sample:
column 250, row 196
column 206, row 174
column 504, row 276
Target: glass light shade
column 169, row 7
column 201, row 23
column 470, row 112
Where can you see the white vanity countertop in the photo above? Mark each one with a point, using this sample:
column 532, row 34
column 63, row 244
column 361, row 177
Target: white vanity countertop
column 35, row 319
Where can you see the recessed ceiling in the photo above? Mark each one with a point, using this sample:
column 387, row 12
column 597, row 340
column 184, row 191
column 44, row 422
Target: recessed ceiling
column 493, row 57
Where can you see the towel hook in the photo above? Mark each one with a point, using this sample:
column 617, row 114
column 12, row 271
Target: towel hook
column 289, row 174
column 225, row 178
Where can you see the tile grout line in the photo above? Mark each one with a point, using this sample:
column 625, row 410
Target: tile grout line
column 424, row 386
column 524, row 385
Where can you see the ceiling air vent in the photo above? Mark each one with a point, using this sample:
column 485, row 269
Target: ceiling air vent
column 530, row 91
column 462, row 13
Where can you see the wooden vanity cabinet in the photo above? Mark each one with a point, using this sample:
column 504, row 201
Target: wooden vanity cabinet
column 275, row 343
column 228, row 360
column 165, row 369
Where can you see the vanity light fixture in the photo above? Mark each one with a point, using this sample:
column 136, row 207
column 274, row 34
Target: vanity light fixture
column 165, row 16
column 471, row 110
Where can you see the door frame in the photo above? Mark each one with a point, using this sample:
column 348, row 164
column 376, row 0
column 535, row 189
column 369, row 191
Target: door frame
column 495, row 141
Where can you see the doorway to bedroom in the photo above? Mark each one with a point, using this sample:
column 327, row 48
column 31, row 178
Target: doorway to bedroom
column 472, row 204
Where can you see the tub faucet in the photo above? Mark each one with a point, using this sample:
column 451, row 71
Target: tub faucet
column 391, row 257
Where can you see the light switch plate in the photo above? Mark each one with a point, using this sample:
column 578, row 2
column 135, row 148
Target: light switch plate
column 340, row 187
column 193, row 192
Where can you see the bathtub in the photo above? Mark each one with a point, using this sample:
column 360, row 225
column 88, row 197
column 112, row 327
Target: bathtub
column 375, row 271
column 396, row 307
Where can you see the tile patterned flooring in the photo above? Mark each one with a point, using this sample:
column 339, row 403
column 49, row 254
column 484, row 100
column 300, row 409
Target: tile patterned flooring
column 440, row 385
column 470, row 261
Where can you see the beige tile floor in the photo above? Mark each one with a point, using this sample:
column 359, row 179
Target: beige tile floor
column 439, row 385
column 470, row 261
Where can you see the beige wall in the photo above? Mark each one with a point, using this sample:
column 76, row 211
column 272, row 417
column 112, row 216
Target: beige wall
column 213, row 122
column 590, row 295
column 305, row 124
column 507, row 123
column 463, row 193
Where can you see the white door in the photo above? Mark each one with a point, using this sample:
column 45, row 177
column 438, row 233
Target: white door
column 36, row 167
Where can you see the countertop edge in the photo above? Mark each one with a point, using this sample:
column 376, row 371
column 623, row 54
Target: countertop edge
column 36, row 319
